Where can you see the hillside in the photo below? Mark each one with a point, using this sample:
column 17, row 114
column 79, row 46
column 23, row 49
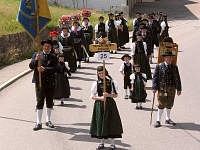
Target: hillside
column 9, row 9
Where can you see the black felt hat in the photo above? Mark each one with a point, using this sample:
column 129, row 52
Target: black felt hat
column 110, row 14
column 143, row 27
column 46, row 42
column 121, row 13
column 138, row 33
column 168, row 53
column 125, row 55
column 85, row 18
column 55, row 46
column 136, row 65
column 101, row 17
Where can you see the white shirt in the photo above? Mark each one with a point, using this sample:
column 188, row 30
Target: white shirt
column 133, row 48
column 115, row 23
column 122, row 67
column 132, row 77
column 96, row 28
column 94, row 88
column 163, row 25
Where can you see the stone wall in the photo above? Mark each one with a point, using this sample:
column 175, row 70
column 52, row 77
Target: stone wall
column 15, row 46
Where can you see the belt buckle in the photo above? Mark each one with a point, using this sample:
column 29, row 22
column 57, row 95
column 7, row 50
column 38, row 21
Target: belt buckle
column 165, row 94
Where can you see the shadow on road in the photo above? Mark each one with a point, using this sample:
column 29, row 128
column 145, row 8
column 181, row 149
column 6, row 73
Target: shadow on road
column 84, row 79
column 84, row 73
column 75, row 88
column 73, row 106
column 89, row 68
column 87, row 138
column 16, row 119
column 182, row 13
column 148, row 109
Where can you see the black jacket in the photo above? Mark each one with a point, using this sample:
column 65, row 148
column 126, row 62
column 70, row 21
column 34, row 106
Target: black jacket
column 48, row 76
column 162, row 77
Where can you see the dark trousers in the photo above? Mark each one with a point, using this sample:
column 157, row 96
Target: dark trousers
column 127, row 82
column 43, row 94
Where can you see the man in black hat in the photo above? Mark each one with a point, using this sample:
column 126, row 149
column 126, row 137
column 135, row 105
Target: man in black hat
column 166, row 80
column 46, row 91
column 126, row 70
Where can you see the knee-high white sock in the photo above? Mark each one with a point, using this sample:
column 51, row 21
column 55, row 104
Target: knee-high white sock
column 159, row 115
column 39, row 116
column 140, row 104
column 48, row 115
column 168, row 114
column 112, row 141
column 137, row 105
column 102, row 141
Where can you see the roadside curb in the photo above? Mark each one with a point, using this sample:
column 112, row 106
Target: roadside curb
column 12, row 80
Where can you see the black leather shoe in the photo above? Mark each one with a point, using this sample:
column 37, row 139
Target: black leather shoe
column 112, row 147
column 37, row 127
column 49, row 124
column 62, row 103
column 101, row 146
column 157, row 124
column 170, row 122
column 141, row 108
column 137, row 107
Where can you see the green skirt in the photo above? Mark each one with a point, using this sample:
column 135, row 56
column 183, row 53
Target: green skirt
column 106, row 124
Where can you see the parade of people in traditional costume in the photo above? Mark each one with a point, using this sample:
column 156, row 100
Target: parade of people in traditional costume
column 63, row 53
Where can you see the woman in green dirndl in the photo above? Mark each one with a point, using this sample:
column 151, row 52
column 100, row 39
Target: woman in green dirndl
column 106, row 122
column 138, row 87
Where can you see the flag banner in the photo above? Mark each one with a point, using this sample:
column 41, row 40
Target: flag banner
column 27, row 16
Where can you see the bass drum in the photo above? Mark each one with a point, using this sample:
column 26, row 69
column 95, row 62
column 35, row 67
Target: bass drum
column 70, row 57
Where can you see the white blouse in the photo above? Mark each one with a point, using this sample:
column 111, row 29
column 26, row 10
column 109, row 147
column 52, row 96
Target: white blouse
column 133, row 48
column 132, row 77
column 94, row 88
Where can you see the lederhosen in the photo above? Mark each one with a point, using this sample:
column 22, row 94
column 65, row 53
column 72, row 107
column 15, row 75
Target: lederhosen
column 46, row 92
column 167, row 89
column 127, row 73
column 139, row 94
column 106, row 123
column 101, row 30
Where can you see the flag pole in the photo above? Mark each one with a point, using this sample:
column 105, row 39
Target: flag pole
column 104, row 81
column 38, row 39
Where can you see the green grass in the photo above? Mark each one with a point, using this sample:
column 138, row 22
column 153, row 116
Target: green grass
column 9, row 9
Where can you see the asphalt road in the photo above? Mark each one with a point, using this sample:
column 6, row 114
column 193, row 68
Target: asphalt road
column 17, row 106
